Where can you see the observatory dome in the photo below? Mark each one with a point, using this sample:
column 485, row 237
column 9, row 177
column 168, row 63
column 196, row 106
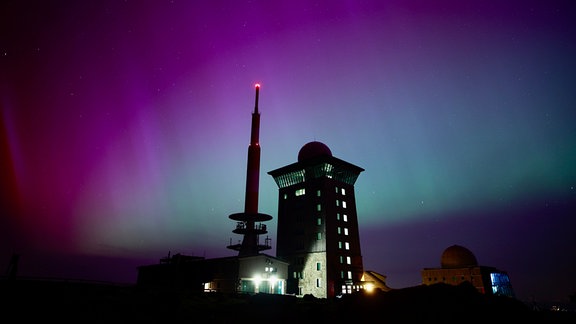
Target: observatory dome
column 457, row 256
column 312, row 150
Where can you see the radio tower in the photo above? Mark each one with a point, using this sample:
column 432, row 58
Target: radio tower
column 249, row 223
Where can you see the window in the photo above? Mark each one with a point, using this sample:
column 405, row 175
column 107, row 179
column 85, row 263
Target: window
column 342, row 274
column 345, row 217
column 336, row 189
column 339, row 245
column 318, row 266
column 337, row 216
column 318, row 236
column 341, row 259
column 343, row 192
column 300, row 192
column 285, row 196
column 349, row 274
column 318, row 193
column 348, row 260
column 343, row 204
column 318, row 207
column 337, row 202
column 318, row 282
column 319, row 221
column 347, row 245
column 339, row 230
column 345, row 230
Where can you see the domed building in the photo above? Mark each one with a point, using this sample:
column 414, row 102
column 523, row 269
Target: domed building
column 458, row 265
column 318, row 224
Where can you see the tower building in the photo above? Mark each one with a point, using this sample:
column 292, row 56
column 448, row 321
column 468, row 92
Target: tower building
column 317, row 223
column 249, row 223
column 248, row 272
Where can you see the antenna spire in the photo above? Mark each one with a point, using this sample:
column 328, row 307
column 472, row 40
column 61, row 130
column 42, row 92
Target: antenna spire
column 257, row 92
column 249, row 223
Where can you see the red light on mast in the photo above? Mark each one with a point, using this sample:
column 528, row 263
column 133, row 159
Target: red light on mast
column 257, row 85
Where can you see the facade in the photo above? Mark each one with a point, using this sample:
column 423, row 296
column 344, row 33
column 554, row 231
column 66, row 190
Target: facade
column 318, row 225
column 458, row 265
column 259, row 273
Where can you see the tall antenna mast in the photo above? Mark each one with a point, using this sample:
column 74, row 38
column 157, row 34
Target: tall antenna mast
column 246, row 221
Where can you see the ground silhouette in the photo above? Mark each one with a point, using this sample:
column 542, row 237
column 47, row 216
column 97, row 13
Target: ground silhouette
column 88, row 302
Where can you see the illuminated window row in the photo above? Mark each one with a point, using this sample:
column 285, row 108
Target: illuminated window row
column 348, row 289
column 341, row 191
column 343, row 203
column 345, row 274
column 348, row 259
column 343, row 217
column 346, row 245
column 289, row 179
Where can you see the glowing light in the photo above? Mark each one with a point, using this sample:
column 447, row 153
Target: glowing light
column 257, row 85
column 369, row 287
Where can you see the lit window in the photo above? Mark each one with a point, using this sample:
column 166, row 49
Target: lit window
column 336, row 189
column 342, row 276
column 319, row 221
column 347, row 246
column 318, row 193
column 285, row 196
column 318, row 207
column 343, row 204
column 349, row 274
column 345, row 217
column 339, row 245
column 345, row 231
column 300, row 192
column 337, row 216
column 318, row 236
column 348, row 260
column 337, row 202
column 343, row 192
column 341, row 259
column 318, row 266
column 339, row 230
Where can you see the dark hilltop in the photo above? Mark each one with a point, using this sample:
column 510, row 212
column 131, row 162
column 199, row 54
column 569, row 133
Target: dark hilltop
column 90, row 302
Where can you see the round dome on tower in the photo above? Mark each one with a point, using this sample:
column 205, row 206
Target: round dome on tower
column 312, row 150
column 457, row 256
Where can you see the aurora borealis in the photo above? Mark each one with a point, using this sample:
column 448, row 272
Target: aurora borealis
column 125, row 127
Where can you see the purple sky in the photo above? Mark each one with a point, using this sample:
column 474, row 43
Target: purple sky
column 125, row 126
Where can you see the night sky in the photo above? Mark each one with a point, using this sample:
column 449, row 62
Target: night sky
column 125, row 126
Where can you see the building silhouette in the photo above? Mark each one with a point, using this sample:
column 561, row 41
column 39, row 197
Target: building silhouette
column 318, row 246
column 318, row 224
column 458, row 265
